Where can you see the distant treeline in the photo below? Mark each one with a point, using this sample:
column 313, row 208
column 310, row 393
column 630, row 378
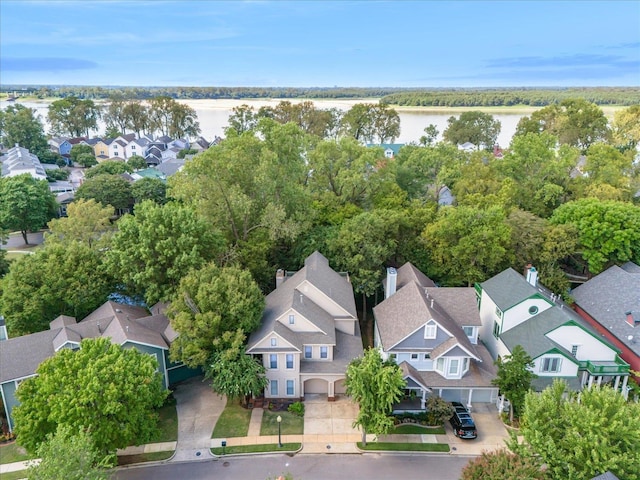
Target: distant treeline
column 418, row 97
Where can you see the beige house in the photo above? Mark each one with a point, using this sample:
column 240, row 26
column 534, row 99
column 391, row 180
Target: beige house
column 309, row 332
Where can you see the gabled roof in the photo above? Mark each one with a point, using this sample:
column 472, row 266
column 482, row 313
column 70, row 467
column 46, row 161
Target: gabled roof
column 508, row 288
column 408, row 273
column 460, row 304
column 608, row 297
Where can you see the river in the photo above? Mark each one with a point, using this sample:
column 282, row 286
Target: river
column 213, row 116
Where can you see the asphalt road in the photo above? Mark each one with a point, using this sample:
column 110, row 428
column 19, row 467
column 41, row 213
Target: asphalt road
column 307, row 467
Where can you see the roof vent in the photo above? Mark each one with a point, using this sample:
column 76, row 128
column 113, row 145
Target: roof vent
column 118, row 310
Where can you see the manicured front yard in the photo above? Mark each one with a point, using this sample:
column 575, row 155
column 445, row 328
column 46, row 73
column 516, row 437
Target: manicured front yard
column 291, row 424
column 412, row 429
column 271, row 447
column 233, row 422
column 12, row 452
column 405, row 447
column 167, row 423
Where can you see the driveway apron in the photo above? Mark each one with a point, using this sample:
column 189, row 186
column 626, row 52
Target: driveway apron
column 198, row 408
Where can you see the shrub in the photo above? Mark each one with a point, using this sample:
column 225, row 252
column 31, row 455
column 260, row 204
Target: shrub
column 438, row 410
column 297, row 408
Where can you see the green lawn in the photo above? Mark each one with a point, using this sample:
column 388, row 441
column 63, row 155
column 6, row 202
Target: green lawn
column 168, row 422
column 291, row 424
column 12, row 452
column 412, row 429
column 14, row 475
column 143, row 457
column 233, row 422
column 405, row 447
column 271, row 447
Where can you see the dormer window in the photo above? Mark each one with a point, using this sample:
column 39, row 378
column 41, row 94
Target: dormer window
column 430, row 330
column 292, row 319
column 274, row 342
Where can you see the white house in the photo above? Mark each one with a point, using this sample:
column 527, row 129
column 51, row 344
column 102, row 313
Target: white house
column 18, row 161
column 519, row 311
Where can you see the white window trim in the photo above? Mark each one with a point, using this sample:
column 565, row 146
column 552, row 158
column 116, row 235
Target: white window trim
column 310, row 352
column 287, row 361
column 271, row 384
column 326, row 352
column 430, row 330
column 293, row 389
column 548, row 363
column 271, row 357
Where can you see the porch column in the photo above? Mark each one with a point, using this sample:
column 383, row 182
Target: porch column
column 301, row 388
column 584, row 379
column 617, row 383
column 469, row 401
column 423, row 399
column 330, row 391
column 590, row 380
column 599, row 380
column 625, row 392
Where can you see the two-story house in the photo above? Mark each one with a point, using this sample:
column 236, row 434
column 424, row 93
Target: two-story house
column 137, row 147
column 149, row 331
column 309, row 332
column 610, row 303
column 432, row 334
column 517, row 310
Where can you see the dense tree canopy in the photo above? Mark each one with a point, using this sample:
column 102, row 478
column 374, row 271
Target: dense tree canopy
column 172, row 118
column 149, row 188
column 208, row 303
column 26, row 204
column 153, row 249
column 580, row 438
column 20, row 125
column 503, row 465
column 61, row 279
column 87, row 222
column 476, row 127
column 107, row 189
column 103, row 389
column 73, row 116
column 371, row 123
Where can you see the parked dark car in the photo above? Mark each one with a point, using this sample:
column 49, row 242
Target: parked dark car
column 462, row 422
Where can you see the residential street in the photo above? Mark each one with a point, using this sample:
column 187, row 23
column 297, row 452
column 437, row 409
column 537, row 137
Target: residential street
column 370, row 466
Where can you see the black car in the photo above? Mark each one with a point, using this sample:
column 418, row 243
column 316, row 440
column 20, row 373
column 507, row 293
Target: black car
column 462, row 423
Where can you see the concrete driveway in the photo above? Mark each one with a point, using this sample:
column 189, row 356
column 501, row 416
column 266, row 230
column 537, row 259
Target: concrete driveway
column 328, row 426
column 198, row 408
column 491, row 432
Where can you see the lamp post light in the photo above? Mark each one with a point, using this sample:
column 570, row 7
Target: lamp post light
column 279, row 420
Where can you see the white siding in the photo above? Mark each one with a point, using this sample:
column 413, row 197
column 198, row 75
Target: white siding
column 589, row 347
column 567, row 367
column 300, row 323
column 520, row 313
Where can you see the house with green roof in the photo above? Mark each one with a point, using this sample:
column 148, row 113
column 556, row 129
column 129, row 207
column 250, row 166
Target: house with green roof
column 517, row 310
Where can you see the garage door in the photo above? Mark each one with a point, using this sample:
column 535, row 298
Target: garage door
column 340, row 387
column 316, row 385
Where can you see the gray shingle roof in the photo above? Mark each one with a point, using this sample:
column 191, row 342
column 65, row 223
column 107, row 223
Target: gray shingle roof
column 460, row 304
column 508, row 288
column 608, row 297
column 408, row 273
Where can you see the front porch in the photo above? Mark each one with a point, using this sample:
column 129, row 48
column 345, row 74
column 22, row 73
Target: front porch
column 614, row 373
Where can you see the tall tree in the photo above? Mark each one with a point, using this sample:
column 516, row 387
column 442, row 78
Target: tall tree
column 21, row 125
column 150, row 189
column 514, row 378
column 580, row 437
column 208, row 303
column 137, row 116
column 153, row 249
column 242, row 119
column 479, row 128
column 106, row 390
column 26, row 204
column 371, row 123
column 107, row 189
column 108, row 167
column 467, row 244
column 115, row 116
column 87, row 222
column 375, row 385
column 172, row 118
column 80, row 149
column 626, row 127
column 73, row 116
column 57, row 280
column 502, row 464
column 608, row 231
column 70, row 455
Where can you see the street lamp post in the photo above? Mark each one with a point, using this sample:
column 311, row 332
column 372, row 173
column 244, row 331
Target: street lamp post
column 279, row 420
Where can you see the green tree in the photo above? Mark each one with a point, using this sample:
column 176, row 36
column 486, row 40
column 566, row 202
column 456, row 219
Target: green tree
column 80, row 149
column 87, row 160
column 232, row 372
column 514, row 378
column 208, row 303
column 372, row 123
column 626, row 127
column 73, row 116
column 108, row 167
column 172, row 118
column 479, row 128
column 608, row 231
column 430, row 135
column 69, row 455
column 502, row 464
column 466, row 244
column 21, row 125
column 153, row 249
column 242, row 119
column 115, row 116
column 375, row 385
column 106, row 390
column 149, row 188
column 108, row 190
column 580, row 437
column 4, row 263
column 87, row 222
column 61, row 279
column 605, row 164
column 137, row 116
column 26, row 204
column 136, row 162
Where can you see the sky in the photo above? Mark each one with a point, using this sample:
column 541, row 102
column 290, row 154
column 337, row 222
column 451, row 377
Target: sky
column 306, row 43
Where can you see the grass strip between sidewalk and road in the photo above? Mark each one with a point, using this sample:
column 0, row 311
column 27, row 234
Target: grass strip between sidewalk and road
column 410, row 429
column 18, row 475
column 267, row 447
column 291, row 424
column 404, row 447
column 233, row 422
column 143, row 457
column 12, row 452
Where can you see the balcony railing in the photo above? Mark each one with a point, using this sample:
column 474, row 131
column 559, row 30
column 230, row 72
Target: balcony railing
column 617, row 367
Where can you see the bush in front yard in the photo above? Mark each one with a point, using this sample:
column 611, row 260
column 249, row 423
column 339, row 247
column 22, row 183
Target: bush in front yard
column 438, row 410
column 297, row 408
